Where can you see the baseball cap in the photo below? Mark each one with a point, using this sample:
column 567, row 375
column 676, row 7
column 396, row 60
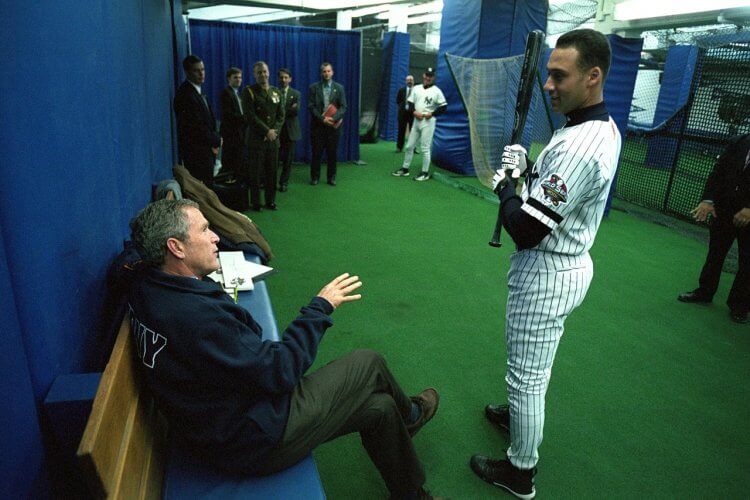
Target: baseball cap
column 429, row 72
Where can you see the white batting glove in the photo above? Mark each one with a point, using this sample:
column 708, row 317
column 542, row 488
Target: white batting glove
column 514, row 159
column 512, row 165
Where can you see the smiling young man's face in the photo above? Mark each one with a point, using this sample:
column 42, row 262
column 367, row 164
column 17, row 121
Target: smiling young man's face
column 569, row 88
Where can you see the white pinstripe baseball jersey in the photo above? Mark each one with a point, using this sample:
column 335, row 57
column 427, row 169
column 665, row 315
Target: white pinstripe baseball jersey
column 575, row 172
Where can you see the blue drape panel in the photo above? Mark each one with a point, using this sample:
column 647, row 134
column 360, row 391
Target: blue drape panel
column 21, row 437
column 481, row 29
column 395, row 68
column 677, row 79
column 302, row 50
column 78, row 163
column 619, row 85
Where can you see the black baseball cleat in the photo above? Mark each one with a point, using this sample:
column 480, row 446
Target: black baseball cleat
column 693, row 297
column 313, row 182
column 498, row 415
column 503, row 474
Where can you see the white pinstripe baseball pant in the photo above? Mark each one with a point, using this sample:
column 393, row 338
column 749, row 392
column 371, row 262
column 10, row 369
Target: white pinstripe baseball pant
column 421, row 131
column 543, row 289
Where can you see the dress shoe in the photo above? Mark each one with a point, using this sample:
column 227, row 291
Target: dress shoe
column 332, row 182
column 498, row 415
column 314, row 182
column 693, row 297
column 738, row 317
column 283, row 188
column 271, row 206
column 257, row 208
column 428, row 401
column 503, row 474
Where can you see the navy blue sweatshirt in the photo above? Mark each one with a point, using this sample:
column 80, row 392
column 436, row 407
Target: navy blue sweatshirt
column 224, row 391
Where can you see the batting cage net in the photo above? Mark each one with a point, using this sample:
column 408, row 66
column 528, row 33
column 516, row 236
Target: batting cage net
column 488, row 89
column 691, row 95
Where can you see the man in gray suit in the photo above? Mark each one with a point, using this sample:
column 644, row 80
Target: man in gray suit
column 290, row 132
column 325, row 127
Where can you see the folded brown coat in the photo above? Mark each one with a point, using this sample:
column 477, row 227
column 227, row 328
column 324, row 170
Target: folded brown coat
column 234, row 225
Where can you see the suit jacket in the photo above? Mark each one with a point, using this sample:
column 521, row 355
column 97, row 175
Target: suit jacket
column 401, row 102
column 263, row 112
column 728, row 186
column 291, row 131
column 232, row 120
column 315, row 104
column 196, row 125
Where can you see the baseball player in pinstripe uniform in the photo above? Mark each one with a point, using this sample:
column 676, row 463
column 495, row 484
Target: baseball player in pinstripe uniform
column 428, row 102
column 553, row 224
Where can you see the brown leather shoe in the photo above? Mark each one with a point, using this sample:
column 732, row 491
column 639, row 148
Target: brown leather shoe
column 428, row 401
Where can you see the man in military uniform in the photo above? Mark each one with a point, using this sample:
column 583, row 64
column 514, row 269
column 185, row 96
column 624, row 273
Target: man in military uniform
column 265, row 116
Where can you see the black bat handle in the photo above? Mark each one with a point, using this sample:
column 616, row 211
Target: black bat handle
column 495, row 241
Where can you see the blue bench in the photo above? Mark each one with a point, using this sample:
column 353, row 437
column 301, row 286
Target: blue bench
column 124, row 450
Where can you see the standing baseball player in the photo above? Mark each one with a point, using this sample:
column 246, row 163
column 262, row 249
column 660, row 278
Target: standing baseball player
column 553, row 224
column 428, row 101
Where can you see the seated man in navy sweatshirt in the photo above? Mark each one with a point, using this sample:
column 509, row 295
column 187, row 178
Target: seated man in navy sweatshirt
column 244, row 404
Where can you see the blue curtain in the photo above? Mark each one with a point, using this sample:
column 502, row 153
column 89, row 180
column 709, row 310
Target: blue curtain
column 395, row 68
column 481, row 29
column 619, row 86
column 222, row 44
column 78, row 163
column 677, row 79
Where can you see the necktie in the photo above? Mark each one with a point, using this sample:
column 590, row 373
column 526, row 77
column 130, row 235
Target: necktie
column 406, row 101
column 239, row 101
column 747, row 159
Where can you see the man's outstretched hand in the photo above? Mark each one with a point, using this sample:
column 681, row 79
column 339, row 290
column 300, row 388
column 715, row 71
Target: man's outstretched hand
column 338, row 291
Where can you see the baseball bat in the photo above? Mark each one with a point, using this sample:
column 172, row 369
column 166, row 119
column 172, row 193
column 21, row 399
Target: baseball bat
column 534, row 45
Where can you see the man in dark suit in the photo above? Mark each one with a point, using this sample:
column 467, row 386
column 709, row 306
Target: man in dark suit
column 265, row 116
column 325, row 128
column 197, row 139
column 233, row 125
column 726, row 199
column 405, row 111
column 290, row 132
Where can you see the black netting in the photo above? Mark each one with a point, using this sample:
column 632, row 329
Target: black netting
column 664, row 166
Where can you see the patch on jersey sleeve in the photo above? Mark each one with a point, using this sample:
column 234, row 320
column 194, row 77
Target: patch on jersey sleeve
column 555, row 190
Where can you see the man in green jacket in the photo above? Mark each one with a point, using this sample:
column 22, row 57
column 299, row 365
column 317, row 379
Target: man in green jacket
column 265, row 116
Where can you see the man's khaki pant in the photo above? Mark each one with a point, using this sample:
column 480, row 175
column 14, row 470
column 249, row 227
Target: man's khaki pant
column 356, row 393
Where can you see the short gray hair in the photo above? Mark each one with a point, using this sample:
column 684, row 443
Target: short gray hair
column 155, row 224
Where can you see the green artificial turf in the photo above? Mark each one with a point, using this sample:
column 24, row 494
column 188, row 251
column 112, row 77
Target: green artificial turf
column 646, row 397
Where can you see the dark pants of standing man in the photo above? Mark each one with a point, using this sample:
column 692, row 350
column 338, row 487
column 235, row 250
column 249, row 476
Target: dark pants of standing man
column 722, row 234
column 404, row 118
column 324, row 138
column 286, row 155
column 263, row 161
column 232, row 157
column 202, row 168
column 356, row 393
